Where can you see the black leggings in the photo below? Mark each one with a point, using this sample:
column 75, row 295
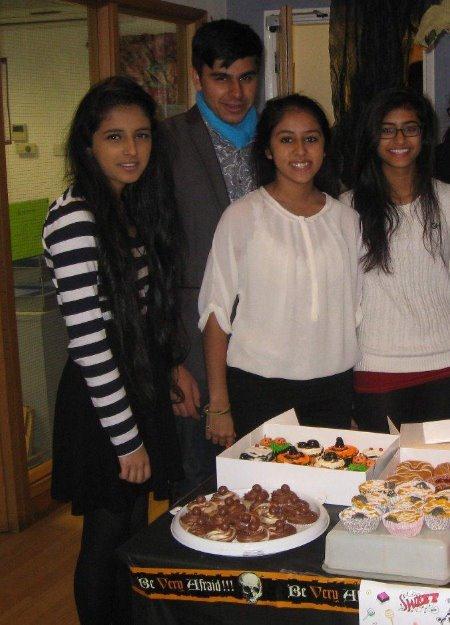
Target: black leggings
column 425, row 402
column 321, row 402
column 102, row 584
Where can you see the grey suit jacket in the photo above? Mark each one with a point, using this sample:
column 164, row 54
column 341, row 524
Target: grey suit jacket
column 201, row 196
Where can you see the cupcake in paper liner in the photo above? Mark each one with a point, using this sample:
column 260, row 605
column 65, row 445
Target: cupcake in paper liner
column 421, row 488
column 372, row 486
column 359, row 521
column 436, row 500
column 405, row 523
column 407, row 502
column 371, row 500
column 438, row 518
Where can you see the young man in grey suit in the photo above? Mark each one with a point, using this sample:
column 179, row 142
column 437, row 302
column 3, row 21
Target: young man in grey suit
column 209, row 149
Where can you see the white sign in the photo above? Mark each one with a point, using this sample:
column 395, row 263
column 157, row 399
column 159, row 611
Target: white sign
column 381, row 603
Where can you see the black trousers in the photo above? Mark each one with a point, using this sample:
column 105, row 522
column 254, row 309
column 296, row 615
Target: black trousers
column 102, row 583
column 425, row 402
column 322, row 402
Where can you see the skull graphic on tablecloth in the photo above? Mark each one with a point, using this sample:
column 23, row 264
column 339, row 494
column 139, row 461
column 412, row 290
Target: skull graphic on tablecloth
column 251, row 586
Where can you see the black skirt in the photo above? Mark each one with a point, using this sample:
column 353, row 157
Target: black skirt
column 85, row 466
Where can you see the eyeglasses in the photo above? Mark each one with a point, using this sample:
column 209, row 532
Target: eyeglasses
column 390, row 131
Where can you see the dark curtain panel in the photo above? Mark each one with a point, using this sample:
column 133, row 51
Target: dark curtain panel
column 370, row 42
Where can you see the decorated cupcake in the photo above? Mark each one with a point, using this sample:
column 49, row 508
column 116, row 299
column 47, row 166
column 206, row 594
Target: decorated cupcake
column 281, row 529
column 407, row 502
column 346, row 452
column 405, row 523
column 203, row 504
column 421, row 488
column 223, row 494
column 442, row 469
column 372, row 486
column 293, row 456
column 377, row 501
column 438, row 517
column 358, row 521
column 279, row 445
column 258, row 453
column 330, row 460
column 444, row 493
column 373, row 453
column 364, row 460
column 441, row 482
column 311, row 447
column 223, row 533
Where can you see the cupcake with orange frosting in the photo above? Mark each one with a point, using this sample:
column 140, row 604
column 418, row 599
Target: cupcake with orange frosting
column 346, row 452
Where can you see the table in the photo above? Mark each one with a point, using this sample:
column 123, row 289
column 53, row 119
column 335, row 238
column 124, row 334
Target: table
column 176, row 585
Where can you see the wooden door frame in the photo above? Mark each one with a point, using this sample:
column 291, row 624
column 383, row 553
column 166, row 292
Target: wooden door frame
column 284, row 52
column 15, row 505
column 103, row 25
column 23, row 492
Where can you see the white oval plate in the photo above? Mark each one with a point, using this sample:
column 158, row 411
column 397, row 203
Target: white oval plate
column 302, row 537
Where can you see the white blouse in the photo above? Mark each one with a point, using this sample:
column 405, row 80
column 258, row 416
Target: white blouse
column 298, row 285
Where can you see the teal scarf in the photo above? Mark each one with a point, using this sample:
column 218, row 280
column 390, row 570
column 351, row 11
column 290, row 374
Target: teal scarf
column 240, row 134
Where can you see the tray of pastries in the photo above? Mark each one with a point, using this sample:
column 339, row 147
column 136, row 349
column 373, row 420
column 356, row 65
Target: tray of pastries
column 396, row 528
column 249, row 522
column 312, row 453
column 417, row 495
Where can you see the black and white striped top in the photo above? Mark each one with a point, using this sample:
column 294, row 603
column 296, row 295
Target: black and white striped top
column 71, row 253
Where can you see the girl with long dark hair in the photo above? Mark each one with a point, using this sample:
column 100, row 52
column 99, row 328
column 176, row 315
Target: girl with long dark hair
column 112, row 242
column 404, row 335
column 280, row 294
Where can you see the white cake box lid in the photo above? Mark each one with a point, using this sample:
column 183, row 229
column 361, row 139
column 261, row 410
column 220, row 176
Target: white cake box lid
column 413, row 445
column 326, row 485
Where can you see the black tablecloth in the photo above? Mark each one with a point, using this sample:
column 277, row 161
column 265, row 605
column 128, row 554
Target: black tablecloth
column 176, row 585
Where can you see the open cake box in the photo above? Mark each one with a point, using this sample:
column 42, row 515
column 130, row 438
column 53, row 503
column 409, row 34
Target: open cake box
column 413, row 444
column 326, row 485
column 423, row 559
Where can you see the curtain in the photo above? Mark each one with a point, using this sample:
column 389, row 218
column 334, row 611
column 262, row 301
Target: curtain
column 370, row 41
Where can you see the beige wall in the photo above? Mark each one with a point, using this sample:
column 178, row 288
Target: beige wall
column 312, row 64
column 48, row 74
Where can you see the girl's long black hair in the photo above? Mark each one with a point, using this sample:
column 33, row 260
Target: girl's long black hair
column 149, row 344
column 326, row 178
column 372, row 197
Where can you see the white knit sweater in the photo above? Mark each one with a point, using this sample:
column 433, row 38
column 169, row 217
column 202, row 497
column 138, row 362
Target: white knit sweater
column 405, row 323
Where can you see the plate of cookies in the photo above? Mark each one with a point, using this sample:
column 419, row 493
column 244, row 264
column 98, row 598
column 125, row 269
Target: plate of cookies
column 251, row 522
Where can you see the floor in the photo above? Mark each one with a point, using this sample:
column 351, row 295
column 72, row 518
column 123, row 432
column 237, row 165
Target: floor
column 36, row 569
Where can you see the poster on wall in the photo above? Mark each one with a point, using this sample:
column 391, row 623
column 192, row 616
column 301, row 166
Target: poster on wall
column 5, row 99
column 151, row 60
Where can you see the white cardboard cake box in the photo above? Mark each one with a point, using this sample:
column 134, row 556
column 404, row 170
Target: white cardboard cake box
column 413, row 447
column 326, row 485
